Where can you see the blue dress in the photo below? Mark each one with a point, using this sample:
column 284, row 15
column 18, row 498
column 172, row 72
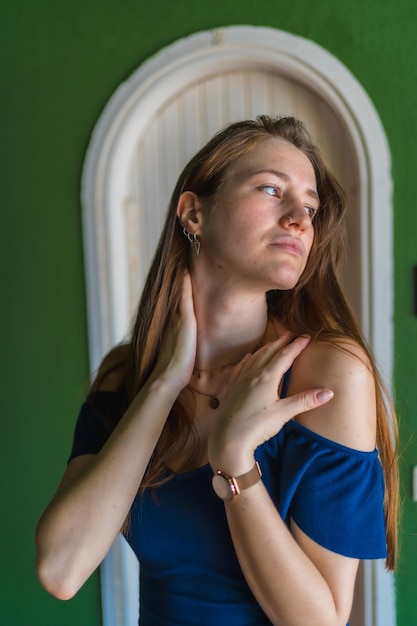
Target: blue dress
column 189, row 572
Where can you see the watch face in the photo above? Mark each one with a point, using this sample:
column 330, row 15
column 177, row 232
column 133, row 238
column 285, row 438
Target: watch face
column 222, row 487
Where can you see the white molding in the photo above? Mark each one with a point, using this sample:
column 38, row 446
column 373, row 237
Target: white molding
column 104, row 180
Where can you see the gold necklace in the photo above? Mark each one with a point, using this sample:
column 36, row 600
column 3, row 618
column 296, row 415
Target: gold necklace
column 214, row 401
column 220, row 368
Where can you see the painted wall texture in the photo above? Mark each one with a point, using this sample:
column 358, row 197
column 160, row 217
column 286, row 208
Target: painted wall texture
column 60, row 62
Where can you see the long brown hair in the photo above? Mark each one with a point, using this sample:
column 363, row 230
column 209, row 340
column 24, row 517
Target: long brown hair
column 300, row 308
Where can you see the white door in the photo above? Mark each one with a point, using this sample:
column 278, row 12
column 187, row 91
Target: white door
column 180, row 126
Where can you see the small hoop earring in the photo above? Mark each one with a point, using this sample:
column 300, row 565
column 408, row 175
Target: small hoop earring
column 193, row 239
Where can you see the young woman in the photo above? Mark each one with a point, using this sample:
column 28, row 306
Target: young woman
column 243, row 350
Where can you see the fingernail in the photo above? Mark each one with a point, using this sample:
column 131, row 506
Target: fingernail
column 325, row 395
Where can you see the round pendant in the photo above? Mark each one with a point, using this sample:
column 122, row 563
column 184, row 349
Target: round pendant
column 214, row 402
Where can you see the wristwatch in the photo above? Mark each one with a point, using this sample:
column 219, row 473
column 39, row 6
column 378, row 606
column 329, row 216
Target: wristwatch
column 228, row 487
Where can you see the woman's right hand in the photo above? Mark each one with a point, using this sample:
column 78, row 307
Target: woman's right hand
column 96, row 493
column 178, row 351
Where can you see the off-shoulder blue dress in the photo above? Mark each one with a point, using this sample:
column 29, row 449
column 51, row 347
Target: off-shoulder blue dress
column 189, row 572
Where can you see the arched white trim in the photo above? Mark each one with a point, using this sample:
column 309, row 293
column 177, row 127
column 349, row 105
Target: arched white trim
column 104, row 181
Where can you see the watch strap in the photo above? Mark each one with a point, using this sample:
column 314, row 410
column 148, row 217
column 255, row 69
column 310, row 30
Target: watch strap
column 248, row 479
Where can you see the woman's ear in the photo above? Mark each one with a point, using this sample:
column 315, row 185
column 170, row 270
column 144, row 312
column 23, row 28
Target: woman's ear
column 188, row 212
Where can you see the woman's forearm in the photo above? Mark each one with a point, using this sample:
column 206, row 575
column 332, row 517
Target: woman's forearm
column 92, row 502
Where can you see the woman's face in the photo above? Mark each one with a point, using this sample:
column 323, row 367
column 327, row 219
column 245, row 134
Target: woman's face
column 260, row 230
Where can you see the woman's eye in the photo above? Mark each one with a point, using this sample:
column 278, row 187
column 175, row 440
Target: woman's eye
column 271, row 190
column 311, row 212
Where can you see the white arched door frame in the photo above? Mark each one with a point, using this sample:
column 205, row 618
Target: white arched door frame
column 103, row 189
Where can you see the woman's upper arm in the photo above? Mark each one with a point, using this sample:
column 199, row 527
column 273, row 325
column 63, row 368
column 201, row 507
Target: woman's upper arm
column 350, row 417
column 74, row 468
column 338, row 571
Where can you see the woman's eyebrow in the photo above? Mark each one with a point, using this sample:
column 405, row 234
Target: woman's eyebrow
column 311, row 192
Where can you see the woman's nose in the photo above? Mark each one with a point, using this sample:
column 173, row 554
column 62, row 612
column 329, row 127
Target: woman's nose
column 296, row 217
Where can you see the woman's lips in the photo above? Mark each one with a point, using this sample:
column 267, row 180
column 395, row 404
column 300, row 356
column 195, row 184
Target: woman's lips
column 290, row 244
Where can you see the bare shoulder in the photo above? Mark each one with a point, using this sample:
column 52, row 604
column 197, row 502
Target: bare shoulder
column 350, row 417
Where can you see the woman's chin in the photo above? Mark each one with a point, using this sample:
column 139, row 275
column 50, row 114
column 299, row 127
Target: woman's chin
column 285, row 283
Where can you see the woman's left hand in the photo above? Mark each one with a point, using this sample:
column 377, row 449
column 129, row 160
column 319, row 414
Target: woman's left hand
column 252, row 411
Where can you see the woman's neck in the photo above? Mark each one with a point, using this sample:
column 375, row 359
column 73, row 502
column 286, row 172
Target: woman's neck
column 229, row 325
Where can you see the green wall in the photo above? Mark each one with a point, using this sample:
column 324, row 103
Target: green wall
column 59, row 63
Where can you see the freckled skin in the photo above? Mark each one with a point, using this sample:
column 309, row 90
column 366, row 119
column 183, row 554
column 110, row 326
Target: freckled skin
column 272, row 182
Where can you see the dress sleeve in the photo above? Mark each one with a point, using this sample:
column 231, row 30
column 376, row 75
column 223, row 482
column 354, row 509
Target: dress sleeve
column 333, row 493
column 90, row 432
